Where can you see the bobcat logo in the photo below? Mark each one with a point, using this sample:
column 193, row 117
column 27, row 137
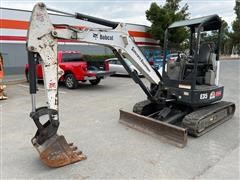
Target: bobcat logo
column 95, row 36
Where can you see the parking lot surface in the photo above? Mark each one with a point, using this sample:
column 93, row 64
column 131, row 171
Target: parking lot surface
column 89, row 118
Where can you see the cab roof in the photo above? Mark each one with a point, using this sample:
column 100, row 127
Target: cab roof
column 209, row 23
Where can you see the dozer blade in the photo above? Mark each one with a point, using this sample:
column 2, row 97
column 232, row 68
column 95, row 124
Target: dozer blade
column 56, row 152
column 172, row 134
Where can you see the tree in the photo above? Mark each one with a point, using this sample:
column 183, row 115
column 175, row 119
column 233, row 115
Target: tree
column 162, row 16
column 226, row 42
column 235, row 35
column 237, row 9
column 225, row 38
column 230, row 39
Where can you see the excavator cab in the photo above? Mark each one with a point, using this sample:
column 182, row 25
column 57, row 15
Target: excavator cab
column 193, row 78
column 187, row 101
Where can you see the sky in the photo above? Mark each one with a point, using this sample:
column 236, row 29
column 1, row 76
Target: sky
column 129, row 11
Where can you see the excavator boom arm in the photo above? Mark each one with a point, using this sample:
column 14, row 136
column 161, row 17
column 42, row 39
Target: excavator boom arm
column 117, row 39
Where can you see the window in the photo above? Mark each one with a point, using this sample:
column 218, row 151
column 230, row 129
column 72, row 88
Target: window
column 114, row 61
column 72, row 57
column 118, row 62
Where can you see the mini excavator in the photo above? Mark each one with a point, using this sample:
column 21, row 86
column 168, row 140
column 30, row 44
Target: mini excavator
column 185, row 99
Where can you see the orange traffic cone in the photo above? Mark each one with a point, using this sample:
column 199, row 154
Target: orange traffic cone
column 2, row 87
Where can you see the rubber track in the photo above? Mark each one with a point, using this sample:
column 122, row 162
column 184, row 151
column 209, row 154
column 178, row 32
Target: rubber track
column 138, row 107
column 192, row 120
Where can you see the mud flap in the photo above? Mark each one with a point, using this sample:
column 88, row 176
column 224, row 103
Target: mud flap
column 166, row 132
column 56, row 152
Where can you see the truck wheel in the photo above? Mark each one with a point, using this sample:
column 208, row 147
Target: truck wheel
column 95, row 81
column 70, row 81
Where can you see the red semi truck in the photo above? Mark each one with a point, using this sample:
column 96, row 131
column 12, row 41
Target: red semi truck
column 77, row 69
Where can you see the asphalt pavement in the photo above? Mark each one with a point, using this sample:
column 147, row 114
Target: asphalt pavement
column 89, row 118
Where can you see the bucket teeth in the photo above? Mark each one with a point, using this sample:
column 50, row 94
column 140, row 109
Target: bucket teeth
column 79, row 152
column 56, row 152
column 73, row 148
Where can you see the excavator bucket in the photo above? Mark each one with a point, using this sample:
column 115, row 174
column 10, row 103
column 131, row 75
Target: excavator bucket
column 166, row 132
column 56, row 152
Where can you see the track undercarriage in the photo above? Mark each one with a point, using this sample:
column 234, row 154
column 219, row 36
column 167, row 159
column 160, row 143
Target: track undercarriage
column 173, row 121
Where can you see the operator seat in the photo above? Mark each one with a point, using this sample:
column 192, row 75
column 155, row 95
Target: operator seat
column 205, row 52
column 175, row 68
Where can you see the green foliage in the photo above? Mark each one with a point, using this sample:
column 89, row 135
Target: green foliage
column 99, row 57
column 225, row 38
column 230, row 39
column 96, row 61
column 235, row 35
column 226, row 42
column 162, row 16
column 237, row 9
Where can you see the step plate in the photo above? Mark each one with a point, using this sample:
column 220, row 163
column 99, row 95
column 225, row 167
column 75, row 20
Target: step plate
column 166, row 132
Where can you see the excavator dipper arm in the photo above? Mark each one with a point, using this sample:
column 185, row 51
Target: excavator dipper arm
column 53, row 149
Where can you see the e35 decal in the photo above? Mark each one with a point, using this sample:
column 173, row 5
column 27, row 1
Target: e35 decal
column 212, row 95
column 203, row 96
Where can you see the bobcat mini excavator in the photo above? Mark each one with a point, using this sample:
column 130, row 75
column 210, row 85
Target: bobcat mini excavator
column 184, row 100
